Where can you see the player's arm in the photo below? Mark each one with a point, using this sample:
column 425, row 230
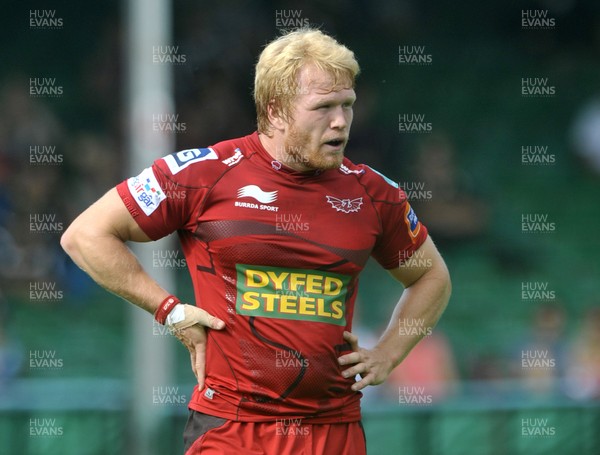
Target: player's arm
column 96, row 243
column 426, row 294
column 95, row 240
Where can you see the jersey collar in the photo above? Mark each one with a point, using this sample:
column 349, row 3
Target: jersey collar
column 276, row 165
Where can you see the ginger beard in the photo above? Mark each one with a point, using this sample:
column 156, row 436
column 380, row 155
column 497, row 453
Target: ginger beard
column 299, row 152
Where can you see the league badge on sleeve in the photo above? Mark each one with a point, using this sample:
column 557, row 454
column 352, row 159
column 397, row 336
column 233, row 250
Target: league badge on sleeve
column 180, row 160
column 414, row 226
column 146, row 191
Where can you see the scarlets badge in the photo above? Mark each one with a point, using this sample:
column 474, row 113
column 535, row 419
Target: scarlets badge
column 345, row 205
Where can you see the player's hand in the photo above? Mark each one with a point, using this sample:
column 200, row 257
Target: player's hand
column 192, row 334
column 373, row 365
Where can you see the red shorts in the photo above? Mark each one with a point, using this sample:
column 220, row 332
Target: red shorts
column 208, row 435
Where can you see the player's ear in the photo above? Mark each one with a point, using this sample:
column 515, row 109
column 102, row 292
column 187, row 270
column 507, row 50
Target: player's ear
column 275, row 116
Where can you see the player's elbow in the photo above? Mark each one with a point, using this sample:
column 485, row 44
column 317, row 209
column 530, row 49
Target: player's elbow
column 68, row 240
column 74, row 240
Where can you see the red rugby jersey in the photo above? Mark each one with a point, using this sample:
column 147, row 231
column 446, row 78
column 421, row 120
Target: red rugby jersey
column 275, row 254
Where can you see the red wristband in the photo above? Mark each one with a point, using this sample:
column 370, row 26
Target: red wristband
column 165, row 308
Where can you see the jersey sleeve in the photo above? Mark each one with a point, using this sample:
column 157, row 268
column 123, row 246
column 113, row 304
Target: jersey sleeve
column 401, row 231
column 165, row 197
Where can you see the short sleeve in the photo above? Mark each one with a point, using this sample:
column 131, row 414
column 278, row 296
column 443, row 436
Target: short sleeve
column 160, row 199
column 401, row 231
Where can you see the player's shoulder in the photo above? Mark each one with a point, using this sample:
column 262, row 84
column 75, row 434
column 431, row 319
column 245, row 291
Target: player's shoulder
column 376, row 184
column 201, row 166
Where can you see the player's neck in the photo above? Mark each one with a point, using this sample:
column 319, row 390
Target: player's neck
column 276, row 148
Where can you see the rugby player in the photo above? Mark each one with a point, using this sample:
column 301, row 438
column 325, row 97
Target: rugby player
column 276, row 227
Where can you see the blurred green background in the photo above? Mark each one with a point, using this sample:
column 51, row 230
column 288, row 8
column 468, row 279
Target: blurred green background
column 471, row 166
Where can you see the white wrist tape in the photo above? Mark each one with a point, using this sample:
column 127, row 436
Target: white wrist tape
column 184, row 315
column 176, row 315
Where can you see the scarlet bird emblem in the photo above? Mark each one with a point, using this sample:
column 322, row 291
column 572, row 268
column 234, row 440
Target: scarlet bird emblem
column 345, row 205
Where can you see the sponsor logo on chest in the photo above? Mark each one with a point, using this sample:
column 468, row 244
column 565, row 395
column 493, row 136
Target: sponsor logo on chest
column 286, row 293
column 254, row 197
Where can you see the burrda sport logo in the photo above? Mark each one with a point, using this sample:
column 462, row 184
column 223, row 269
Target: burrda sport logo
column 255, row 192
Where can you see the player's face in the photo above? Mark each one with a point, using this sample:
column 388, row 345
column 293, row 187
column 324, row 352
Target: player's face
column 322, row 115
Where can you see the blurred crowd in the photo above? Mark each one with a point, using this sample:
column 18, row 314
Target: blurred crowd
column 546, row 362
